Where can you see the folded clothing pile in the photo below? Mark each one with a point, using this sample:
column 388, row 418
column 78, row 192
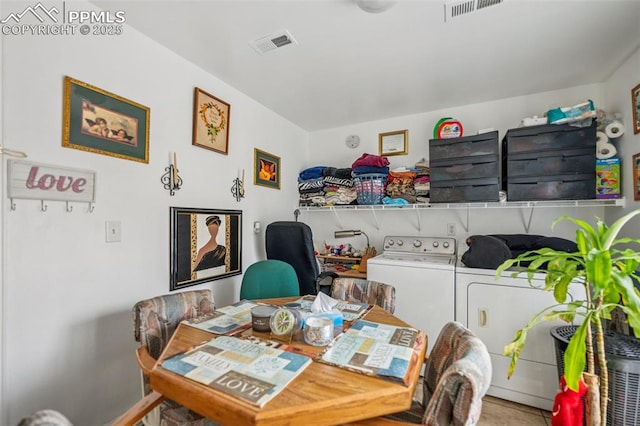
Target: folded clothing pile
column 338, row 186
column 326, row 186
column 421, row 183
column 400, row 185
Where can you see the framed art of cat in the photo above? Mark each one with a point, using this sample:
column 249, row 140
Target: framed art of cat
column 266, row 169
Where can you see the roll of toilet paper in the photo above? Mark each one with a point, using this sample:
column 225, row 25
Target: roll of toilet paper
column 615, row 129
column 601, row 137
column 605, row 150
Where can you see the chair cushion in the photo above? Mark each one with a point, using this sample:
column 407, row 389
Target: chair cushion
column 45, row 418
column 365, row 291
column 173, row 414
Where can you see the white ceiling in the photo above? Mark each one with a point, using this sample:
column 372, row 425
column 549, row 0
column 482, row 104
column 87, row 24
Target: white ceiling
column 351, row 66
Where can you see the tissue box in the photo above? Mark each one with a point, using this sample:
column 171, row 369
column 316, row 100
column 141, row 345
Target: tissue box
column 608, row 178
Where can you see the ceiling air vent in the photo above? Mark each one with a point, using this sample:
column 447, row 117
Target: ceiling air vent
column 272, row 42
column 456, row 8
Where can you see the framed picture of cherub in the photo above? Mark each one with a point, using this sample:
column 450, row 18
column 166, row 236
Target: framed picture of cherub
column 95, row 120
column 266, row 169
column 206, row 245
column 210, row 122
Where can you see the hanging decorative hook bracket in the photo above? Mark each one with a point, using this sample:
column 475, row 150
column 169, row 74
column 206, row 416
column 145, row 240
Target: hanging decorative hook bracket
column 171, row 180
column 237, row 189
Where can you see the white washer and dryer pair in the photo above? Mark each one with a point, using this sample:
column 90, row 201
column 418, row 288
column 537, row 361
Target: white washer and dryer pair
column 422, row 269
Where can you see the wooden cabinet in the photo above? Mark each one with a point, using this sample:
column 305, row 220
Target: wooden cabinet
column 341, row 265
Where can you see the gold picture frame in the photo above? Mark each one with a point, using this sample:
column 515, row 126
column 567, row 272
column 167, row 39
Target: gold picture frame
column 98, row 121
column 635, row 107
column 393, row 143
column 210, row 122
column 266, row 169
column 636, row 177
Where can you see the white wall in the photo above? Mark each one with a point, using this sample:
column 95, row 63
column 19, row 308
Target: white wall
column 67, row 327
column 617, row 94
column 500, row 115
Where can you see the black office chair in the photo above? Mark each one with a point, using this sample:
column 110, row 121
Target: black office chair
column 292, row 242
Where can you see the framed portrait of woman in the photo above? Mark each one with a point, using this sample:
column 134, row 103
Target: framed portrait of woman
column 206, row 245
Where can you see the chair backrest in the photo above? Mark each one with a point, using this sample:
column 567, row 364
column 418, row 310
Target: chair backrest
column 292, row 242
column 365, row 291
column 45, row 418
column 269, row 278
column 456, row 378
column 156, row 319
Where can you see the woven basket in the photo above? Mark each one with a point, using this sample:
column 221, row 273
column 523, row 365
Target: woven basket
column 370, row 187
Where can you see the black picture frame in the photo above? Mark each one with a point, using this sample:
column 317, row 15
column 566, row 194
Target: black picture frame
column 192, row 235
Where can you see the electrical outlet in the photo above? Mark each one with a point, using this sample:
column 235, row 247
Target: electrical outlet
column 451, row 229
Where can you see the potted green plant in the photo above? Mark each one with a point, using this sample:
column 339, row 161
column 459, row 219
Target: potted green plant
column 606, row 266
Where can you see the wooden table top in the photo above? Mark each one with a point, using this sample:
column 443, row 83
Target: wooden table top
column 320, row 395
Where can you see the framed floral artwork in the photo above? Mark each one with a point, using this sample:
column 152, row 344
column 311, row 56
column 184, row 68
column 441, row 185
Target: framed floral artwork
column 266, row 169
column 635, row 108
column 206, row 245
column 98, row 121
column 210, row 122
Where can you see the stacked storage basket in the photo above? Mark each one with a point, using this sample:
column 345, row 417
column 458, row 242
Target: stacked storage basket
column 370, row 187
column 549, row 162
column 465, row 169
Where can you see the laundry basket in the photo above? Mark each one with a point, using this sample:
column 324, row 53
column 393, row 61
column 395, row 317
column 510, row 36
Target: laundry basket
column 370, row 187
column 623, row 365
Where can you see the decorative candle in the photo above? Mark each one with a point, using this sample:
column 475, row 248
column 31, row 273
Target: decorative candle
column 175, row 170
column 318, row 330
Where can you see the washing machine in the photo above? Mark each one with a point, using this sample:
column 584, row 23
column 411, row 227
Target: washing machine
column 494, row 308
column 422, row 269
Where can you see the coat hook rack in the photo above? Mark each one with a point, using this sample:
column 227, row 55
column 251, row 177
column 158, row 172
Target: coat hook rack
column 171, row 180
column 237, row 189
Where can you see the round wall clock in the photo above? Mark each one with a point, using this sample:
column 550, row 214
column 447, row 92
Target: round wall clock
column 353, row 141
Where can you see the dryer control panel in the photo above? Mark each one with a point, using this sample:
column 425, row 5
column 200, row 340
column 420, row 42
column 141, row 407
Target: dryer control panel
column 435, row 246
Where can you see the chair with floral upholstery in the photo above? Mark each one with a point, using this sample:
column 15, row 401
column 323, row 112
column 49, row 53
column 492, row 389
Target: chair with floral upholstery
column 154, row 322
column 365, row 291
column 457, row 377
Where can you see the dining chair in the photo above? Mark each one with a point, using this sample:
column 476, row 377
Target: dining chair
column 457, row 377
column 46, row 417
column 154, row 322
column 269, row 278
column 365, row 291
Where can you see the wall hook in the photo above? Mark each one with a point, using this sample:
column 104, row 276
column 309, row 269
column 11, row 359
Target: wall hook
column 43, row 207
column 13, row 205
column 91, row 208
column 68, row 208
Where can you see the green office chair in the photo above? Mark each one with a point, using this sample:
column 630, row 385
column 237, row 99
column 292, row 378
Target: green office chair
column 269, row 278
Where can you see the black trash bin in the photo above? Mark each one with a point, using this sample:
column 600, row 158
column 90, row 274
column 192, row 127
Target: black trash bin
column 623, row 365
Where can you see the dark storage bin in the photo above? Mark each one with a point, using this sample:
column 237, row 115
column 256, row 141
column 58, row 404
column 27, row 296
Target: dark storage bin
column 561, row 187
column 484, row 166
column 456, row 148
column 573, row 161
column 623, row 366
column 465, row 190
column 548, row 137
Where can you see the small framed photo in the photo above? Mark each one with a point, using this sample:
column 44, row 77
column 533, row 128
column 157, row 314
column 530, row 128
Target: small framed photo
column 635, row 107
column 95, row 120
column 210, row 122
column 394, row 143
column 266, row 169
column 636, row 177
column 206, row 245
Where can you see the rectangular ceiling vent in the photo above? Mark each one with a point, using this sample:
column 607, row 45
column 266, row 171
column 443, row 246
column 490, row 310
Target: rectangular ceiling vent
column 272, row 42
column 456, row 8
